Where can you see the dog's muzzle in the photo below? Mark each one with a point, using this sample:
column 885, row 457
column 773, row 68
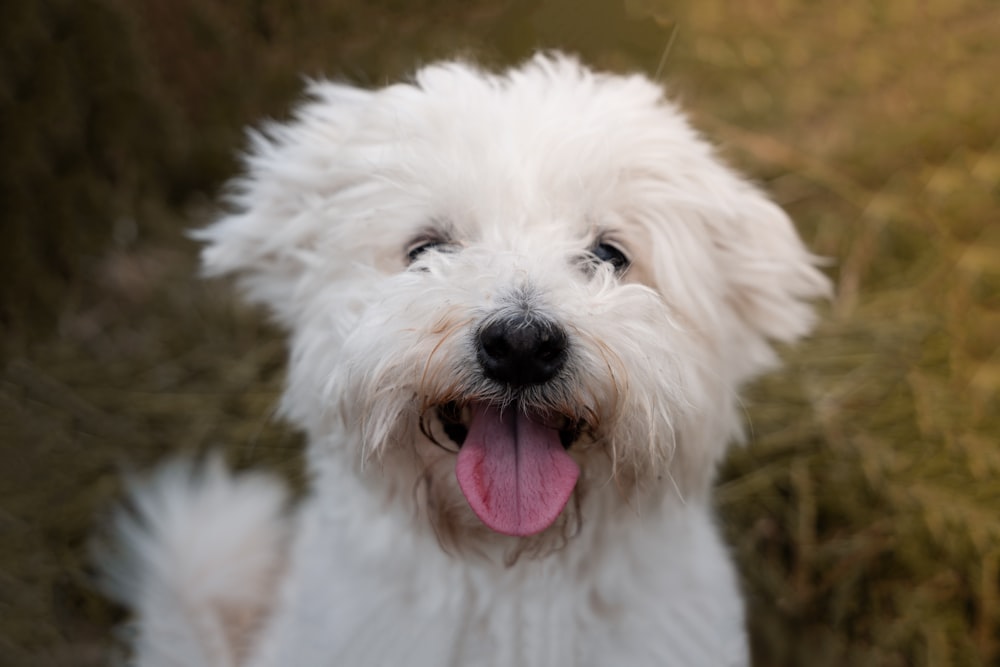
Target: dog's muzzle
column 512, row 466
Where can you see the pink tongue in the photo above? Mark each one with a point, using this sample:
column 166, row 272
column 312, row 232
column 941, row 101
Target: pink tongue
column 514, row 471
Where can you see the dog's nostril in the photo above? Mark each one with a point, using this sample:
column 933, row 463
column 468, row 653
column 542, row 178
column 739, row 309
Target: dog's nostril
column 551, row 348
column 520, row 351
column 493, row 341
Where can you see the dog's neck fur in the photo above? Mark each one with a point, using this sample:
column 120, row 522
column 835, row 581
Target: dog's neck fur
column 615, row 572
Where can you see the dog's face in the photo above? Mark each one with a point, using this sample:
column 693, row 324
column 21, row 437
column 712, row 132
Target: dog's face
column 513, row 291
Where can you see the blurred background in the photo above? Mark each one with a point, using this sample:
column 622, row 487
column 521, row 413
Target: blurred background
column 865, row 514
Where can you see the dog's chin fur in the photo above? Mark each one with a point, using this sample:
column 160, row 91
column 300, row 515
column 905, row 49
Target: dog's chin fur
column 385, row 230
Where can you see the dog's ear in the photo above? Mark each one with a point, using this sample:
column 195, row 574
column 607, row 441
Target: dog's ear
column 733, row 259
column 277, row 210
column 770, row 278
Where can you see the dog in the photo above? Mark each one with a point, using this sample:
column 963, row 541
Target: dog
column 521, row 305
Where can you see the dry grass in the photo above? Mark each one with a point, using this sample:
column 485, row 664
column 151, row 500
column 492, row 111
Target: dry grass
column 866, row 513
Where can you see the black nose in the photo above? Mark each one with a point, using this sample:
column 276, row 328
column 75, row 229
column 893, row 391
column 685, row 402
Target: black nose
column 521, row 350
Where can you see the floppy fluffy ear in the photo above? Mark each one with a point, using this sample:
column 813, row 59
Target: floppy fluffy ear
column 280, row 208
column 770, row 278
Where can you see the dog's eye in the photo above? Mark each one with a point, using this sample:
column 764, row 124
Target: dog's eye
column 612, row 255
column 416, row 249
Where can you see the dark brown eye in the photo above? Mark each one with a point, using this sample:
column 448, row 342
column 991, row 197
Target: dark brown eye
column 612, row 255
column 421, row 246
column 414, row 253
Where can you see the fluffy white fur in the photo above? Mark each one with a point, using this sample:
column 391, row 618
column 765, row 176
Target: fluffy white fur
column 518, row 178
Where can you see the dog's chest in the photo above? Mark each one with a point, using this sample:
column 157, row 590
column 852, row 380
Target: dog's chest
column 391, row 599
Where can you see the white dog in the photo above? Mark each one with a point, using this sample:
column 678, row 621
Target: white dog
column 521, row 306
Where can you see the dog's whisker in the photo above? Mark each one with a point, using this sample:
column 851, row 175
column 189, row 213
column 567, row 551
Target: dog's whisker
column 673, row 484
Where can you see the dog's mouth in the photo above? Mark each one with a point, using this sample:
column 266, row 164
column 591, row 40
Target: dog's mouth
column 512, row 466
column 455, row 419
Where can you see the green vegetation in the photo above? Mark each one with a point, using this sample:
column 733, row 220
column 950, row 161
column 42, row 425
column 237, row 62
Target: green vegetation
column 866, row 511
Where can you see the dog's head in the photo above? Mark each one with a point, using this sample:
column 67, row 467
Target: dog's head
column 509, row 289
